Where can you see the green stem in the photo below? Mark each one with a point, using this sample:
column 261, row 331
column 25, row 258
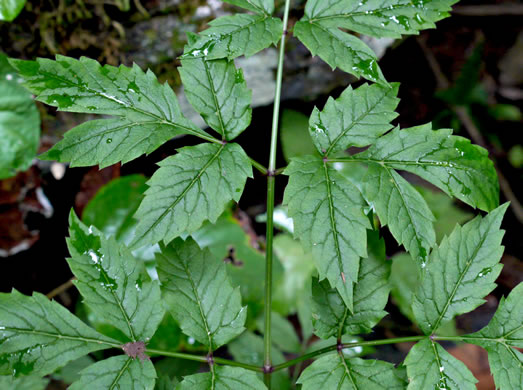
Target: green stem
column 270, row 201
column 331, row 348
column 311, row 355
column 204, row 359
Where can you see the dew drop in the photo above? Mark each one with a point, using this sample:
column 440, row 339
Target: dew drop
column 109, row 140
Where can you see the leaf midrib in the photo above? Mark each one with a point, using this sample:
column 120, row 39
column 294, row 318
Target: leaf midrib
column 120, row 102
column 120, row 373
column 215, row 97
column 412, row 221
column 458, row 282
column 362, row 13
column 182, row 195
column 198, row 301
column 60, row 336
column 332, row 219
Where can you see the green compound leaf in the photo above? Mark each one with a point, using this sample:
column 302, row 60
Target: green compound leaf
column 190, row 187
column 146, row 113
column 335, row 372
column 37, row 335
column 23, row 383
column 9, row 9
column 357, row 118
column 332, row 318
column 217, row 90
column 199, row 295
column 340, row 50
column 223, row 378
column 233, row 36
column 110, row 281
column 19, row 128
column 451, row 163
column 258, row 6
column 389, row 18
column 402, row 208
column 460, row 272
column 119, row 372
column 429, row 366
column 504, row 331
column 329, row 221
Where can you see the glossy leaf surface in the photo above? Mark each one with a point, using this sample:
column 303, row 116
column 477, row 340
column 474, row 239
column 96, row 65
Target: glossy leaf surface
column 146, row 113
column 235, row 35
column 340, row 50
column 389, row 18
column 190, row 187
column 217, row 90
column 452, row 163
column 118, row 372
column 199, row 294
column 110, row 281
column 329, row 221
column 461, row 271
column 357, row 118
column 37, row 335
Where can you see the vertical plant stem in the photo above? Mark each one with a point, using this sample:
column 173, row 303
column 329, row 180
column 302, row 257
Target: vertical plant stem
column 270, row 202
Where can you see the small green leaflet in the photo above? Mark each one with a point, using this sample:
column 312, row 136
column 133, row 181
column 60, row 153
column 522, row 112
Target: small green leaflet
column 335, row 372
column 118, row 372
column 217, row 90
column 460, row 272
column 223, row 378
column 504, row 331
column 329, row 221
column 110, row 281
column 357, row 118
column 257, row 6
column 450, row 162
column 233, row 36
column 146, row 113
column 388, row 18
column 402, row 208
column 340, row 50
column 9, row 9
column 37, row 335
column 319, row 29
column 429, row 366
column 332, row 318
column 190, row 187
column 19, row 124
column 199, row 294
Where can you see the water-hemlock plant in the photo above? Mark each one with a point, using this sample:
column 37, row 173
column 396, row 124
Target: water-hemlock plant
column 165, row 264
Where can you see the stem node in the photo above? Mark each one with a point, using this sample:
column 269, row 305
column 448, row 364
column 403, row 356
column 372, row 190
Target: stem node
column 267, row 369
